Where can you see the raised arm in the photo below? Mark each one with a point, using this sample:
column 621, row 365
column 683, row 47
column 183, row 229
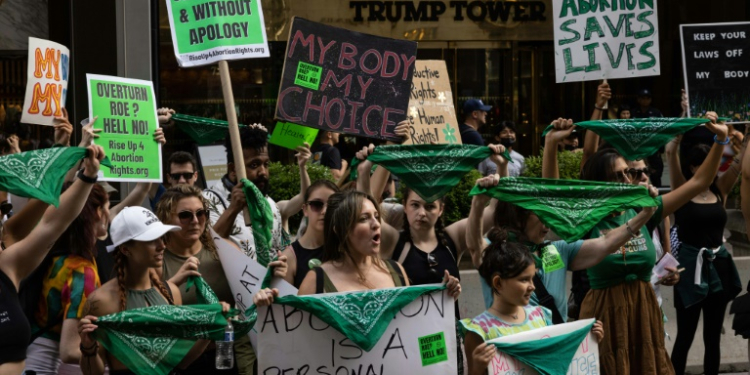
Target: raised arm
column 562, row 128
column 475, row 243
column 293, row 206
column 23, row 222
column 379, row 178
column 676, row 178
column 389, row 235
column 591, row 139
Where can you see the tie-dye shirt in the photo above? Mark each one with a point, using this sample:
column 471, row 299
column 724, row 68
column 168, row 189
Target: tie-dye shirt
column 489, row 326
column 66, row 287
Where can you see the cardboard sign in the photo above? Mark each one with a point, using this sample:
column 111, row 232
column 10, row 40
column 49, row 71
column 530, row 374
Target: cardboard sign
column 597, row 40
column 421, row 339
column 213, row 161
column 47, row 82
column 431, row 112
column 291, row 136
column 717, row 69
column 126, row 112
column 585, row 360
column 343, row 81
column 206, row 31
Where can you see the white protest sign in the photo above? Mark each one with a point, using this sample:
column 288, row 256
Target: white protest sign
column 585, row 361
column 421, row 339
column 47, row 82
column 598, row 40
column 213, row 160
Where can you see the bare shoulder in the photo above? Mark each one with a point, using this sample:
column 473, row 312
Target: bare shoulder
column 103, row 301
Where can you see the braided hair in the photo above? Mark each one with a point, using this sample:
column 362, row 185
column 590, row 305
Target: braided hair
column 121, row 270
column 439, row 225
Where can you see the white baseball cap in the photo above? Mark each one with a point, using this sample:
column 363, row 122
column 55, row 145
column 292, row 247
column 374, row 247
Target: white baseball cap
column 136, row 223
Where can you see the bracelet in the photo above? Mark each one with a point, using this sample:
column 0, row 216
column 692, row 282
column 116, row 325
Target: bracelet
column 726, row 141
column 86, row 179
column 630, row 230
column 86, row 351
column 736, row 160
column 599, row 108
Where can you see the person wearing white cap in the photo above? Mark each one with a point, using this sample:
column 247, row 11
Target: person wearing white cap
column 138, row 248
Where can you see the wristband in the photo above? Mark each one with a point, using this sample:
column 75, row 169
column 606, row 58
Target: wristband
column 86, row 179
column 726, row 141
column 86, row 351
column 599, row 108
column 632, row 233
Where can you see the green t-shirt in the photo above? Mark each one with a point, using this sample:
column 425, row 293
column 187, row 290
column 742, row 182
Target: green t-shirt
column 640, row 253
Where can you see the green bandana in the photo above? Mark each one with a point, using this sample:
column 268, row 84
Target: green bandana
column 153, row 340
column 262, row 217
column 571, row 208
column 548, row 356
column 39, row 174
column 362, row 317
column 636, row 139
column 204, row 131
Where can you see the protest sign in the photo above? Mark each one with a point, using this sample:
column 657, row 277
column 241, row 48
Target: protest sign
column 207, row 31
column 431, row 113
column 126, row 111
column 585, row 360
column 599, row 40
column 291, row 136
column 420, row 339
column 47, row 82
column 213, row 161
column 715, row 65
column 344, row 81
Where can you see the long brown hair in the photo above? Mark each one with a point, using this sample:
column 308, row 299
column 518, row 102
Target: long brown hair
column 169, row 201
column 79, row 238
column 121, row 267
column 439, row 224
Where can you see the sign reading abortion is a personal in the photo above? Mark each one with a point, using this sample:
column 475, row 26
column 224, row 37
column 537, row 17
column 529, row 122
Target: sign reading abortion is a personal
column 206, row 31
column 605, row 39
column 126, row 112
column 344, row 81
column 716, row 64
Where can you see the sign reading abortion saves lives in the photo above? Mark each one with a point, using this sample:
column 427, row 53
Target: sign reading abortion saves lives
column 421, row 339
column 716, row 64
column 605, row 39
column 344, row 81
column 126, row 112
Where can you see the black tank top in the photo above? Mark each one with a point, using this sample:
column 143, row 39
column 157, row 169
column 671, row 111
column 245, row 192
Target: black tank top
column 417, row 266
column 701, row 225
column 15, row 330
column 303, row 258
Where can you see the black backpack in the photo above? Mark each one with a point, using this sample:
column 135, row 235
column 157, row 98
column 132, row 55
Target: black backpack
column 30, row 292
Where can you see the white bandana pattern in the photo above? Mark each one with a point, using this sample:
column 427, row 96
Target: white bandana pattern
column 362, row 310
column 635, row 137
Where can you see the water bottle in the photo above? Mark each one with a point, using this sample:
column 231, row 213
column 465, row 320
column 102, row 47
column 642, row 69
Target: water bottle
column 225, row 349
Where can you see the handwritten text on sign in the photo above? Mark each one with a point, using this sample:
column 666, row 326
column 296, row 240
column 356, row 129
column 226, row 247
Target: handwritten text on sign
column 126, row 112
column 600, row 39
column 421, row 339
column 47, row 82
column 339, row 80
column 431, row 112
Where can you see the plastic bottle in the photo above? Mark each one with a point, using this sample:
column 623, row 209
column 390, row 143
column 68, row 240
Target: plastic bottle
column 225, row 349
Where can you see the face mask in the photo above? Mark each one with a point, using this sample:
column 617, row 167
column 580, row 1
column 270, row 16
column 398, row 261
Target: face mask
column 507, row 142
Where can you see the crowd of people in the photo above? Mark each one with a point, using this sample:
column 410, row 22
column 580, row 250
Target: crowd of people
column 61, row 268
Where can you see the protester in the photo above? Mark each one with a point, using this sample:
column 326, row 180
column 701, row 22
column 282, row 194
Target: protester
column 506, row 136
column 509, row 268
column 138, row 247
column 182, row 169
column 17, row 262
column 624, row 112
column 628, row 271
column 475, row 116
column 326, row 154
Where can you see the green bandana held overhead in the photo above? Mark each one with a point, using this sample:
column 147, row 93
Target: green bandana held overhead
column 204, row 131
column 571, row 208
column 536, row 353
column 39, row 174
column 430, row 170
column 636, row 139
column 262, row 219
column 360, row 316
column 153, row 340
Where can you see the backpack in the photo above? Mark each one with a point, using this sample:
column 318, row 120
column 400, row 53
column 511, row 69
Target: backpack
column 30, row 291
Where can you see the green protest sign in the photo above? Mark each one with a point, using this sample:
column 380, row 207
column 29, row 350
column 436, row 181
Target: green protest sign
column 126, row 111
column 291, row 136
column 432, row 349
column 206, row 31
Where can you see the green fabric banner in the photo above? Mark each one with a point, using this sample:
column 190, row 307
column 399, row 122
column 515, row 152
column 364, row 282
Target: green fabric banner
column 639, row 138
column 39, row 174
column 204, row 131
column 262, row 218
column 571, row 208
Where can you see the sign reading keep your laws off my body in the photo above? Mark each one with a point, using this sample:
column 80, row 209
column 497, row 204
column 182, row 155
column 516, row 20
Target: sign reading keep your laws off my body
column 344, row 81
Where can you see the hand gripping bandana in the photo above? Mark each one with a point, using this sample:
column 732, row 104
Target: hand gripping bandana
column 262, row 218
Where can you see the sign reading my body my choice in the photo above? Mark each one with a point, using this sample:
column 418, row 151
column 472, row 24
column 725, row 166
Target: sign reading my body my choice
column 600, row 39
column 126, row 112
column 206, row 31
column 716, row 64
column 344, row 81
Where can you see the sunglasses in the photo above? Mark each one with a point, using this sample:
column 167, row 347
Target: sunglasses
column 187, row 216
column 185, row 175
column 635, row 173
column 316, row 206
column 622, row 176
column 432, row 262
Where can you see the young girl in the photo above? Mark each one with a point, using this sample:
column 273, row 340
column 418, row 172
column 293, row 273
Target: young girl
column 509, row 269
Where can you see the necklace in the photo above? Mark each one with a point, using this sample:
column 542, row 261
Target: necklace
column 514, row 316
column 704, row 196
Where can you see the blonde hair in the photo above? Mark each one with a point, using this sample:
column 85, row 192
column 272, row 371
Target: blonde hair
column 169, row 201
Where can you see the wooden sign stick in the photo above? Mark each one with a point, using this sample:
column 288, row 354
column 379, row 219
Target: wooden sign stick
column 234, row 129
column 606, row 105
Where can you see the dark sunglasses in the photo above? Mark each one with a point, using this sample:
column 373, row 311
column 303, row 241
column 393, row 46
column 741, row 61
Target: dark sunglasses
column 185, row 175
column 622, row 176
column 187, row 216
column 316, row 206
column 635, row 173
column 432, row 262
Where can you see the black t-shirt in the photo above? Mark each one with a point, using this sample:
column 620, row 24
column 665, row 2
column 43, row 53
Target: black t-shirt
column 649, row 112
column 303, row 259
column 701, row 225
column 15, row 330
column 328, row 156
column 469, row 136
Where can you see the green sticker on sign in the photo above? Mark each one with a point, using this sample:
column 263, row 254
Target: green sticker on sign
column 432, row 349
column 551, row 259
column 291, row 136
column 308, row 75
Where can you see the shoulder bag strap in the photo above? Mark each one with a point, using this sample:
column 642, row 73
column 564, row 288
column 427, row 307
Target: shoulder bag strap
column 546, row 299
